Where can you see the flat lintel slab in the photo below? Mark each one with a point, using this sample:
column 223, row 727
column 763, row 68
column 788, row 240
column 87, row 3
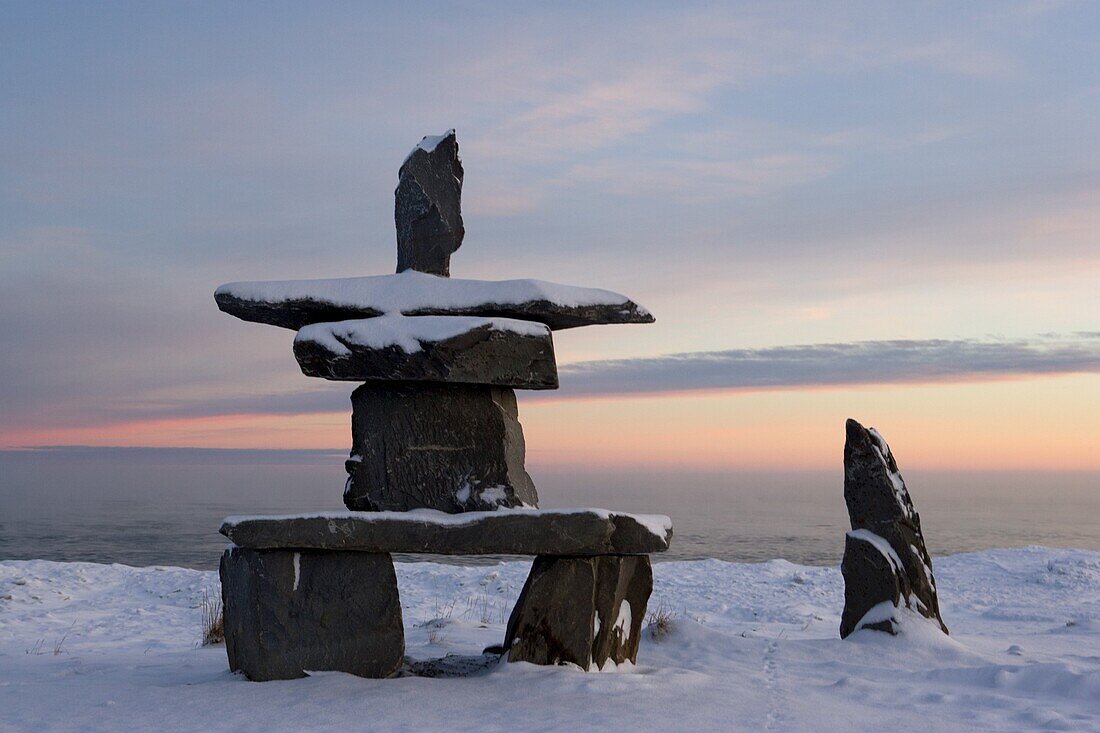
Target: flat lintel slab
column 297, row 303
column 577, row 532
column 503, row 352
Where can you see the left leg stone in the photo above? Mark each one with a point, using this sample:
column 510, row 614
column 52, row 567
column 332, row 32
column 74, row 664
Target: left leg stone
column 289, row 612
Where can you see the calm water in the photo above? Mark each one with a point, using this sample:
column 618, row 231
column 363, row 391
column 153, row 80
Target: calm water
column 164, row 506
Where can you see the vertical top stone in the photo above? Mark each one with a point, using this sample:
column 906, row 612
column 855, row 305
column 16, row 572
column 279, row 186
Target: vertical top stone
column 427, row 206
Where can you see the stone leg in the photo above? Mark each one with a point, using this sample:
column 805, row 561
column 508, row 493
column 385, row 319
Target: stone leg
column 451, row 447
column 290, row 612
column 580, row 610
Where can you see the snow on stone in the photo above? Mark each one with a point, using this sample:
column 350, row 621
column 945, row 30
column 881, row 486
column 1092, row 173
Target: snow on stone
column 411, row 290
column 490, row 494
column 883, row 611
column 880, row 544
column 429, row 143
column 883, row 451
column 297, row 569
column 622, row 623
column 927, row 570
column 657, row 524
column 407, row 332
column 495, row 494
column 752, row 647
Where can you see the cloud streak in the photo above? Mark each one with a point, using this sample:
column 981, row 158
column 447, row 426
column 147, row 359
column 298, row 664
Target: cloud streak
column 837, row 364
column 807, row 366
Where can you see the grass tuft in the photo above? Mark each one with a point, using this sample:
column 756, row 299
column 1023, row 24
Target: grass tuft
column 660, row 621
column 213, row 620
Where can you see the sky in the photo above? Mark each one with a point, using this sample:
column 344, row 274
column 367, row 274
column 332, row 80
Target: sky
column 886, row 211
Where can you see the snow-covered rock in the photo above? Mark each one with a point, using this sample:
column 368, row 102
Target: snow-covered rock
column 886, row 565
column 428, row 206
column 497, row 351
column 296, row 303
column 576, row 532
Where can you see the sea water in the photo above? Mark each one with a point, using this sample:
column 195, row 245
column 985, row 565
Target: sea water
column 164, row 506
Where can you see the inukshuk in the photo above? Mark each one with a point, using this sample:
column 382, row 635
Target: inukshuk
column 434, row 427
column 435, row 423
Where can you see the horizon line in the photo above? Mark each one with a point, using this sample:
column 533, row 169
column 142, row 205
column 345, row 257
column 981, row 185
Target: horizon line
column 148, row 449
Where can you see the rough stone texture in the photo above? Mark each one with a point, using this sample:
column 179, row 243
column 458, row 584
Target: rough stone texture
column 451, row 447
column 427, row 207
column 878, row 503
column 584, row 611
column 870, row 578
column 451, row 665
column 481, row 355
column 294, row 313
column 503, row 532
column 287, row 612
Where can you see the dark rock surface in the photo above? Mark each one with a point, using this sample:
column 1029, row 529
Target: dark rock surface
column 428, row 206
column 481, row 355
column 584, row 611
column 522, row 532
column 423, row 445
column 870, row 577
column 451, row 665
column 885, row 559
column 290, row 313
column 294, row 313
column 288, row 612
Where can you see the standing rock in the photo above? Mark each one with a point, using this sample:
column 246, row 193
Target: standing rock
column 288, row 612
column 886, row 565
column 426, row 445
column 427, row 207
column 580, row 610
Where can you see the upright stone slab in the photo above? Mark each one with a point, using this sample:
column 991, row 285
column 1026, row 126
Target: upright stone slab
column 886, row 565
column 427, row 208
column 580, row 610
column 451, row 447
column 289, row 612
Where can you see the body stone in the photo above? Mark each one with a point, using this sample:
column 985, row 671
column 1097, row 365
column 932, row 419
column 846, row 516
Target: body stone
column 451, row 447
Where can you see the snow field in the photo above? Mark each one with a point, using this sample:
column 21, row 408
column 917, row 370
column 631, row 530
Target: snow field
column 751, row 647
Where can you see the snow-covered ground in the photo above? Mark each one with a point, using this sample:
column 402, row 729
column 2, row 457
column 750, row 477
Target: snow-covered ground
column 752, row 647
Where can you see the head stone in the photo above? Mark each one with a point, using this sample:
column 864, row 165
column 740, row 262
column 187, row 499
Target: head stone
column 427, row 206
